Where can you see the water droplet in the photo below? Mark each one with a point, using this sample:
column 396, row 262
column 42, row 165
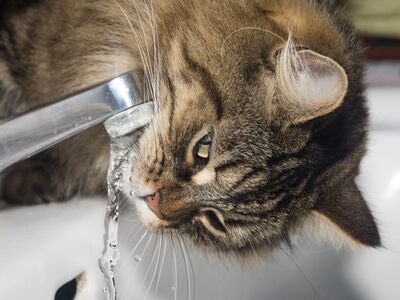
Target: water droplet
column 137, row 259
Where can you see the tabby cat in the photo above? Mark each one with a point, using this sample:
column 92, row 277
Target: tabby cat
column 261, row 119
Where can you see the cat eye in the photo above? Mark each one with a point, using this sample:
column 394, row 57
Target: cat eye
column 202, row 149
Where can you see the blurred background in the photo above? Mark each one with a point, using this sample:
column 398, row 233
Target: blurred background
column 379, row 24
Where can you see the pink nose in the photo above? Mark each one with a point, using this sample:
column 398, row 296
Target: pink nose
column 153, row 202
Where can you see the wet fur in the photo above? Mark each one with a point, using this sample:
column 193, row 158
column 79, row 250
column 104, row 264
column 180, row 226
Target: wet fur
column 273, row 163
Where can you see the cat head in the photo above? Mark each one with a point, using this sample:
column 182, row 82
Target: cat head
column 257, row 127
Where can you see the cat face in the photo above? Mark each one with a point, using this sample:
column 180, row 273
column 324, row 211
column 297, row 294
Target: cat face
column 211, row 178
column 247, row 141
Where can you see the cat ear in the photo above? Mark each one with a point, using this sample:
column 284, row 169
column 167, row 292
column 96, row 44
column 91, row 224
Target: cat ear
column 311, row 85
column 346, row 209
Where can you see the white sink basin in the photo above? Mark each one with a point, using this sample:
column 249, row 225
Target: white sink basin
column 43, row 247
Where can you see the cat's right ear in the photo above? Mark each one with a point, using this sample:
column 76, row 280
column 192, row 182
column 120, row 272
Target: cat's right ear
column 345, row 209
column 309, row 85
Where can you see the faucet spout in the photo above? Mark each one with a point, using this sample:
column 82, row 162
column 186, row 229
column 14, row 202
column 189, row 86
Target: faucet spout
column 33, row 132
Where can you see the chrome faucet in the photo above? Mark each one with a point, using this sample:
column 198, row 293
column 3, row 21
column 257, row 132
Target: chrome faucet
column 117, row 101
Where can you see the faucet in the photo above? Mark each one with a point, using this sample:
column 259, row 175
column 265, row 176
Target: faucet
column 116, row 102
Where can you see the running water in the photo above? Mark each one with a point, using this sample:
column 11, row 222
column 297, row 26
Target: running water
column 110, row 256
column 119, row 158
column 124, row 129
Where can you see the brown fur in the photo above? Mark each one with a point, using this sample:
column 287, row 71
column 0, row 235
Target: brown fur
column 216, row 70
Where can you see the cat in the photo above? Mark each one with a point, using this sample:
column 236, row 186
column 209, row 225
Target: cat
column 261, row 118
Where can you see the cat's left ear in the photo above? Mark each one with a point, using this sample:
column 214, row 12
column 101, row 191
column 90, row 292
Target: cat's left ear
column 346, row 209
column 311, row 85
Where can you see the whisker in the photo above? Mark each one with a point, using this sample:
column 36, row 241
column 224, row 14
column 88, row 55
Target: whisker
column 124, row 202
column 185, row 259
column 130, row 220
column 248, row 28
column 314, row 289
column 161, row 265
column 140, row 258
column 175, row 272
column 156, row 266
column 156, row 53
column 156, row 63
column 155, row 249
column 146, row 64
column 136, row 231
column 191, row 267
column 124, row 269
column 143, row 31
column 152, row 22
column 138, row 243
column 252, row 248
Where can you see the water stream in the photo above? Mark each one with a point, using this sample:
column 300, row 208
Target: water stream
column 124, row 130
column 119, row 159
column 110, row 256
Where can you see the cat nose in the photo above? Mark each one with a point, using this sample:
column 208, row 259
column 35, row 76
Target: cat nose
column 153, row 202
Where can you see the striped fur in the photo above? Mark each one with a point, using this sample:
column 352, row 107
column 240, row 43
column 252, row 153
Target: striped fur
column 213, row 67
